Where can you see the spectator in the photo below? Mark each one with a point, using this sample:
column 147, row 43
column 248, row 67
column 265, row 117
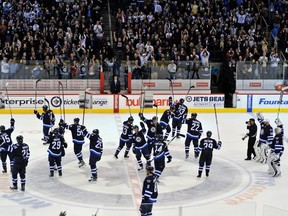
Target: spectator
column 274, row 58
column 115, row 86
column 205, row 54
column 5, row 68
column 172, row 69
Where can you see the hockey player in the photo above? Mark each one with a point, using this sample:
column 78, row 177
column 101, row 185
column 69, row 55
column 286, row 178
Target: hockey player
column 96, row 150
column 48, row 119
column 266, row 137
column 194, row 132
column 55, row 151
column 149, row 192
column 140, row 145
column 165, row 118
column 181, row 112
column 154, row 128
column 78, row 134
column 276, row 150
column 160, row 150
column 206, row 147
column 5, row 143
column 21, row 154
column 125, row 138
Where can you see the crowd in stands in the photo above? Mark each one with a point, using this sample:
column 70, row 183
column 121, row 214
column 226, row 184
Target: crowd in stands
column 68, row 35
column 63, row 34
column 199, row 31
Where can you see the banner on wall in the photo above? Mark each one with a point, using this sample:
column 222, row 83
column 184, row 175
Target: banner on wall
column 196, row 101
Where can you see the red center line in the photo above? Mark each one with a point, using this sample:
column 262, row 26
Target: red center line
column 131, row 171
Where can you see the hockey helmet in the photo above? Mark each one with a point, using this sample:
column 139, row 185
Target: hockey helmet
column 150, row 169
column 96, row 132
column 193, row 115
column 136, row 127
column 76, row 120
column 56, row 131
column 172, row 107
column 277, row 130
column 19, row 139
column 209, row 134
column 155, row 118
column 2, row 129
column 130, row 119
column 181, row 100
column 45, row 107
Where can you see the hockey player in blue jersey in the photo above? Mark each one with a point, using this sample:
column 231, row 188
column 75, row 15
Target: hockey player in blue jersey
column 140, row 146
column 96, row 150
column 125, row 138
column 194, row 132
column 21, row 154
column 181, row 111
column 55, row 151
column 48, row 119
column 164, row 120
column 154, row 128
column 206, row 148
column 5, row 143
column 78, row 134
column 276, row 150
column 149, row 192
column 160, row 151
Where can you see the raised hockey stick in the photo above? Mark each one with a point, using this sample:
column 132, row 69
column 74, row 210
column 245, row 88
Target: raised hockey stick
column 172, row 88
column 155, row 105
column 63, row 101
column 127, row 101
column 36, row 92
column 216, row 119
column 6, row 85
column 189, row 91
column 60, row 107
column 281, row 99
column 48, row 103
column 84, row 108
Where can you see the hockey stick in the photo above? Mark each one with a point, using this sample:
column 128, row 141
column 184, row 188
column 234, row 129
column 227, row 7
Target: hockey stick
column 48, row 103
column 84, row 109
column 8, row 99
column 127, row 101
column 36, row 93
column 216, row 122
column 60, row 100
column 63, row 101
column 181, row 135
column 281, row 99
column 155, row 105
column 189, row 91
column 172, row 89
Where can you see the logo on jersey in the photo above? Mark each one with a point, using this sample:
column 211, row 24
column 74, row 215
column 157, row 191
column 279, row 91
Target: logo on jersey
column 138, row 139
column 153, row 129
column 56, row 101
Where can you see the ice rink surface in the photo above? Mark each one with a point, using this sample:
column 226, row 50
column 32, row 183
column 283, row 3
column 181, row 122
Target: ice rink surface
column 235, row 187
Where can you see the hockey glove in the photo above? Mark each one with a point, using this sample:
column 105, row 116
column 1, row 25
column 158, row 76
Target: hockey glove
column 142, row 125
column 260, row 116
column 220, row 143
column 134, row 150
column 169, row 159
column 12, row 121
column 65, row 145
column 141, row 116
column 278, row 122
column 26, row 163
column 35, row 112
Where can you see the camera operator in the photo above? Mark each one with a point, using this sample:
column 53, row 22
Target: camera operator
column 252, row 132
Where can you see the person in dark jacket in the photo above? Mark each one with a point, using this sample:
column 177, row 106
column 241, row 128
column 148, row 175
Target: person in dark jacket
column 115, row 86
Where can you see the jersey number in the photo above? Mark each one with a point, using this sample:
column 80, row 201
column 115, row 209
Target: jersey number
column 194, row 127
column 56, row 145
column 208, row 145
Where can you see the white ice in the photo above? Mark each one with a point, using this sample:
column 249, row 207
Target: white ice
column 235, row 187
